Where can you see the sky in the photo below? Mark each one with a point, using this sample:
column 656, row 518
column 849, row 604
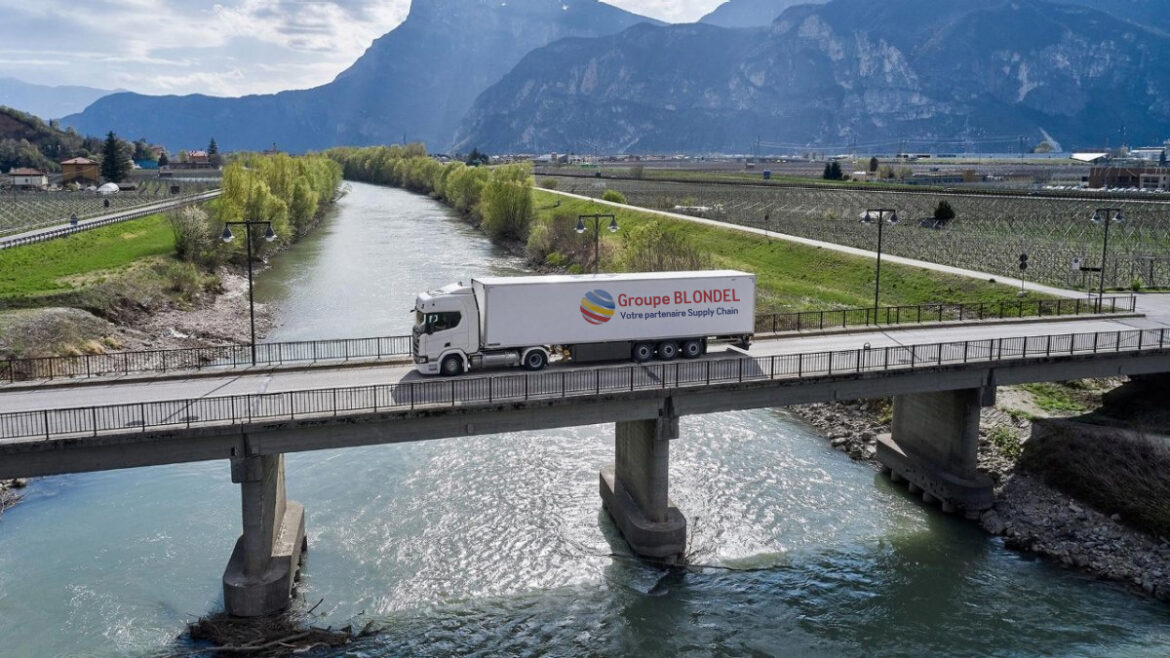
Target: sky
column 225, row 48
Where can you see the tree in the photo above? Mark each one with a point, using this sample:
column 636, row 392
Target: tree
column 873, row 164
column 828, row 173
column 163, row 160
column 142, row 151
column 115, row 159
column 213, row 156
column 944, row 212
column 833, row 171
column 475, row 158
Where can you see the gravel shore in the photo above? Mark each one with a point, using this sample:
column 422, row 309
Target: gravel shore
column 1029, row 515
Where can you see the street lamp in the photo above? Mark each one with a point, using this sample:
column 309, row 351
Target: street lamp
column 269, row 235
column 613, row 227
column 878, row 215
column 1105, row 216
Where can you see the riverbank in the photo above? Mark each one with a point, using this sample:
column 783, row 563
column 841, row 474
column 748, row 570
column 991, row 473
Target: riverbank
column 1028, row 514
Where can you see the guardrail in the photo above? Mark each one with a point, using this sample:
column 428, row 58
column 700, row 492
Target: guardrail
column 377, row 348
column 486, row 390
column 151, row 209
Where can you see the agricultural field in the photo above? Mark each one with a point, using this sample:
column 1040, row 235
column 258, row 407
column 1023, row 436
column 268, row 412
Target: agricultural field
column 25, row 211
column 987, row 234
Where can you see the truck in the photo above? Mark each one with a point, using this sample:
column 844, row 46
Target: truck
column 527, row 320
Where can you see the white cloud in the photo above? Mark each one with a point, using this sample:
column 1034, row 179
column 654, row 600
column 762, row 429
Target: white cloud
column 230, row 48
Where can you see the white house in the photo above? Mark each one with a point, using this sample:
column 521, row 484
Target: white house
column 28, row 179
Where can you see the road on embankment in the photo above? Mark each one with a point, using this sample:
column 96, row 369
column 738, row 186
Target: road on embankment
column 60, row 230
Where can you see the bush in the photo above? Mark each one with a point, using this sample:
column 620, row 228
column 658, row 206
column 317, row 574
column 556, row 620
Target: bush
column 549, row 183
column 651, row 248
column 196, row 239
column 614, row 196
column 944, row 211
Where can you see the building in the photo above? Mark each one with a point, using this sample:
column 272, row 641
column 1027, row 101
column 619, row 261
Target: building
column 82, row 171
column 28, row 179
column 1146, row 177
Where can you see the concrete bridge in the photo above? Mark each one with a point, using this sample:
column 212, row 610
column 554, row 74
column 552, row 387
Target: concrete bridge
column 939, row 378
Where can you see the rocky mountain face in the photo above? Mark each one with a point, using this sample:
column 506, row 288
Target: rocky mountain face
column 750, row 13
column 416, row 82
column 850, row 72
column 45, row 101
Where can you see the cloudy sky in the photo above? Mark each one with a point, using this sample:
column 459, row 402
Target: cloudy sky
column 225, row 48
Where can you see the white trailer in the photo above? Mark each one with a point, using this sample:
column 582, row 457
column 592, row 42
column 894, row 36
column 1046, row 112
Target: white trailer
column 523, row 321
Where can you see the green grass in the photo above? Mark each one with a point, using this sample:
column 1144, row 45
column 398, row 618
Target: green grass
column 1006, row 440
column 83, row 258
column 1053, row 397
column 791, row 276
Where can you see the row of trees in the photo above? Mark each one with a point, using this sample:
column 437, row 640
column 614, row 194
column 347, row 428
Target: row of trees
column 289, row 192
column 499, row 199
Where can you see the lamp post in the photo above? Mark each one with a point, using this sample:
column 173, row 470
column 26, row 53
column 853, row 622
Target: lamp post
column 878, row 215
column 1105, row 216
column 269, row 235
column 613, row 227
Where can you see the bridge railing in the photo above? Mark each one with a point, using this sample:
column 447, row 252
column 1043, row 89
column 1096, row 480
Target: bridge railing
column 376, row 348
column 940, row 312
column 558, row 383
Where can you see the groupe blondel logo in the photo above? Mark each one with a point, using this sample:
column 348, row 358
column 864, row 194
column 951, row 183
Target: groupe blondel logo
column 597, row 307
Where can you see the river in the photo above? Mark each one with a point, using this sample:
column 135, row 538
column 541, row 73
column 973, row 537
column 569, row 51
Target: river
column 497, row 545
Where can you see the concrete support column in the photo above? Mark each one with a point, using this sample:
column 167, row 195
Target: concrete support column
column 259, row 576
column 934, row 446
column 634, row 490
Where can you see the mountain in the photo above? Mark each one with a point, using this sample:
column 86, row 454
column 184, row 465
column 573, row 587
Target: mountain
column 850, row 72
column 750, row 13
column 414, row 83
column 27, row 141
column 1152, row 13
column 45, row 101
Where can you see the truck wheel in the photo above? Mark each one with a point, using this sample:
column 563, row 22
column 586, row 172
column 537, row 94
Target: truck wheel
column 535, row 360
column 667, row 350
column 692, row 349
column 642, row 352
column 451, row 366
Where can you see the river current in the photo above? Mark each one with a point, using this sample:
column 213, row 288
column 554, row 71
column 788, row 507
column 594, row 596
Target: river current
column 497, row 545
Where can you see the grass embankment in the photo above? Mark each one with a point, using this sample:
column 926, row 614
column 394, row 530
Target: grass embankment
column 82, row 259
column 789, row 276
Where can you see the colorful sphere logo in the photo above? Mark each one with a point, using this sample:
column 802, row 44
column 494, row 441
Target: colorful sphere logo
column 597, row 307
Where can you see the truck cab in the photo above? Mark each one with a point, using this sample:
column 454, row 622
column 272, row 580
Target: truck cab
column 446, row 330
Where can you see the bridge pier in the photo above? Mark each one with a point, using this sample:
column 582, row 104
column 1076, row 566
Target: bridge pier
column 634, row 488
column 259, row 576
column 934, row 446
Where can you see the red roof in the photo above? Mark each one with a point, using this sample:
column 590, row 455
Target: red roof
column 25, row 171
column 79, row 161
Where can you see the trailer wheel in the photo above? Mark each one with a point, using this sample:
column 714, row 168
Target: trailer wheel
column 692, row 349
column 642, row 352
column 667, row 350
column 451, row 366
column 535, row 360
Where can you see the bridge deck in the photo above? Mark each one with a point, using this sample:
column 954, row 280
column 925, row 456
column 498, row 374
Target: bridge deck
column 79, row 428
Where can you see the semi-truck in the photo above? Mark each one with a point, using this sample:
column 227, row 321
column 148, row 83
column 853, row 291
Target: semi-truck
column 526, row 320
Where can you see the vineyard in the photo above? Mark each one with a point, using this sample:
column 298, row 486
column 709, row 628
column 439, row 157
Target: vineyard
column 26, row 211
column 988, row 233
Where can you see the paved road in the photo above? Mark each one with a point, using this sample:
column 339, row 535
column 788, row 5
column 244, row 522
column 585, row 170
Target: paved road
column 84, row 394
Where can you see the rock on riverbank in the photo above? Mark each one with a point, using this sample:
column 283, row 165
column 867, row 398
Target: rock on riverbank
column 1030, row 515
